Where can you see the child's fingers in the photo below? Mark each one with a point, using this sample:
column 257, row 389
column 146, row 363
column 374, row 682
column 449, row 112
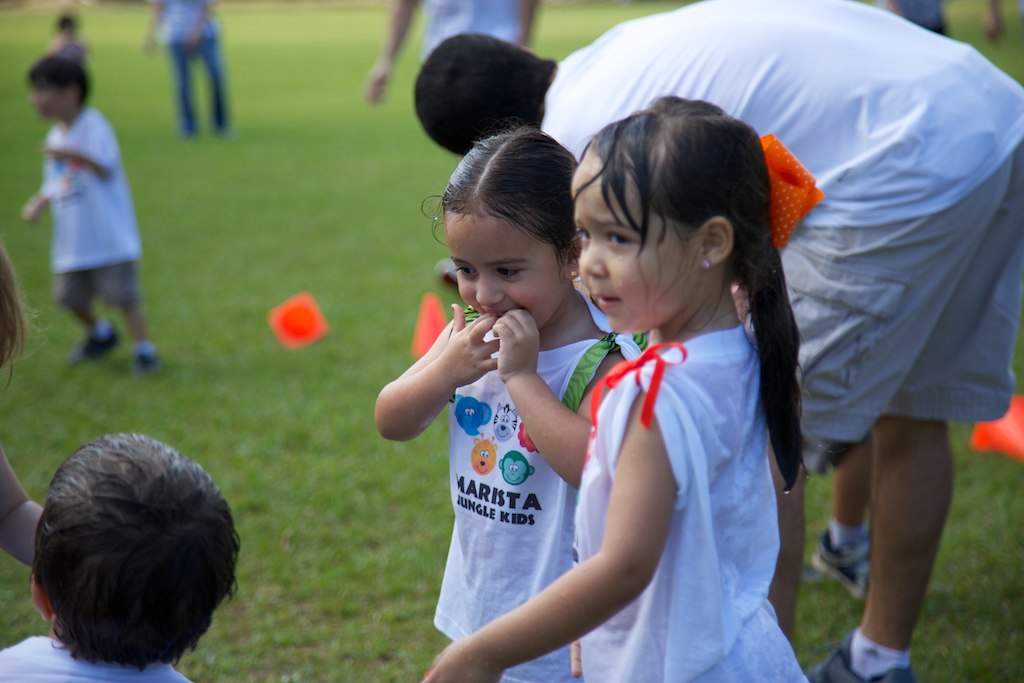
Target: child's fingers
column 482, row 326
column 460, row 318
column 576, row 659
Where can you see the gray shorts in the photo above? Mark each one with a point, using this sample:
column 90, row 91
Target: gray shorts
column 117, row 284
column 917, row 318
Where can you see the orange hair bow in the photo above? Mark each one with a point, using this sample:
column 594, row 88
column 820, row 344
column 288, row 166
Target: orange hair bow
column 793, row 192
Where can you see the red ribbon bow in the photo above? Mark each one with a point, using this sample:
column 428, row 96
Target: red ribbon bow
column 626, row 367
column 793, row 192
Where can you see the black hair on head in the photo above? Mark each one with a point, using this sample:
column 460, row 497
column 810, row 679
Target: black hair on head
column 688, row 161
column 135, row 549
column 524, row 177
column 56, row 72
column 471, row 85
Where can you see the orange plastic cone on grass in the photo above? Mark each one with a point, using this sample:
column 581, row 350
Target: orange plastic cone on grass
column 1005, row 435
column 298, row 321
column 429, row 324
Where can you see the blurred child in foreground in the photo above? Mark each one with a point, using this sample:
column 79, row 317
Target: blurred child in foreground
column 135, row 550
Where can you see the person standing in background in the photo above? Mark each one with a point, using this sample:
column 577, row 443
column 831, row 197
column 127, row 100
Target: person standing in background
column 189, row 30
column 510, row 20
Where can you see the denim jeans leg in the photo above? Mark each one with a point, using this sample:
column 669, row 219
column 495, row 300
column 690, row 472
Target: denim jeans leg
column 183, row 89
column 210, row 52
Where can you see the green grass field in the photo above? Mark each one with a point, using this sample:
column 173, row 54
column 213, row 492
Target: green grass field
column 344, row 535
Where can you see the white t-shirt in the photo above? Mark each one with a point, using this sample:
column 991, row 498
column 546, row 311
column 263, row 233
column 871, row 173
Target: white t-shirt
column 446, row 18
column 513, row 513
column 893, row 121
column 179, row 19
column 711, row 584
column 44, row 660
column 93, row 217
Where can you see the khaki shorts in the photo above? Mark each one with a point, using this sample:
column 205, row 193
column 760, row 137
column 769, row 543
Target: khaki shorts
column 916, row 319
column 117, row 284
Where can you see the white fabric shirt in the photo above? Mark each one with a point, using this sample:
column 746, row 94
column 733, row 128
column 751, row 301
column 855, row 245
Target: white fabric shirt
column 446, row 18
column 893, row 121
column 513, row 514
column 712, row 581
column 179, row 18
column 43, row 660
column 93, row 217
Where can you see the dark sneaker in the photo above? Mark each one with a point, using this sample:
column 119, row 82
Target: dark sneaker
column 836, row 669
column 93, row 348
column 145, row 363
column 849, row 565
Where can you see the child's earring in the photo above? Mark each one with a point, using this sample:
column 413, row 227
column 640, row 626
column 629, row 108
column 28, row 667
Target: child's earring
column 705, row 264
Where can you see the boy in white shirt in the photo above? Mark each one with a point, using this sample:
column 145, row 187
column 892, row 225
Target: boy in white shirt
column 96, row 244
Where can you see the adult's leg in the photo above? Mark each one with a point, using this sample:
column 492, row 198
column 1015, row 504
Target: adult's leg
column 851, row 485
column 209, row 50
column 912, row 488
column 182, row 88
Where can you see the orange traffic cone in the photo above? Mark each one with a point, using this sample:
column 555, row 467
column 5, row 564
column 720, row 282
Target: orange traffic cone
column 1005, row 435
column 429, row 324
column 297, row 321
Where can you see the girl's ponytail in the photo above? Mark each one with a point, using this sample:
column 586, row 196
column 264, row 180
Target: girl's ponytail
column 778, row 342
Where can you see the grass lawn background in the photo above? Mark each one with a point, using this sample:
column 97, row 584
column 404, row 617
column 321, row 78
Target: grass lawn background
column 344, row 535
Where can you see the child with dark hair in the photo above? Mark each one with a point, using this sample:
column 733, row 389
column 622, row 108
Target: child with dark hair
column 676, row 528
column 96, row 245
column 135, row 550
column 454, row 117
column 67, row 44
column 517, row 376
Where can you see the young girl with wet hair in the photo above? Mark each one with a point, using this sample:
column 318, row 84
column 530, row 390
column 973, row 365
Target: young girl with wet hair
column 676, row 527
column 517, row 375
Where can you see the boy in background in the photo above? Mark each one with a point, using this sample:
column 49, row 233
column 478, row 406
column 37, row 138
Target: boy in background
column 96, row 244
column 135, row 550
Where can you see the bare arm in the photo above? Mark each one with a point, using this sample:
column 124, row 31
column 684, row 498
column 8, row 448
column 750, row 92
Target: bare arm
column 527, row 13
column 19, row 516
column 34, row 207
column 77, row 157
column 992, row 21
column 195, row 34
column 558, row 432
column 149, row 37
column 398, row 28
column 460, row 356
column 639, row 516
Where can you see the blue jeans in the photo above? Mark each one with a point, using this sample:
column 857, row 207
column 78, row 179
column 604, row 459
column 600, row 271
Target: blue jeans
column 180, row 60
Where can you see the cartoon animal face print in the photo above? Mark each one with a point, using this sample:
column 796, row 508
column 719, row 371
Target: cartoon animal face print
column 524, row 439
column 471, row 414
column 505, row 420
column 483, row 456
column 514, row 468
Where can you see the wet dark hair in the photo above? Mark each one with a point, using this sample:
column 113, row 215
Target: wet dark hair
column 471, row 85
column 524, row 177
column 57, row 72
column 688, row 161
column 135, row 549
